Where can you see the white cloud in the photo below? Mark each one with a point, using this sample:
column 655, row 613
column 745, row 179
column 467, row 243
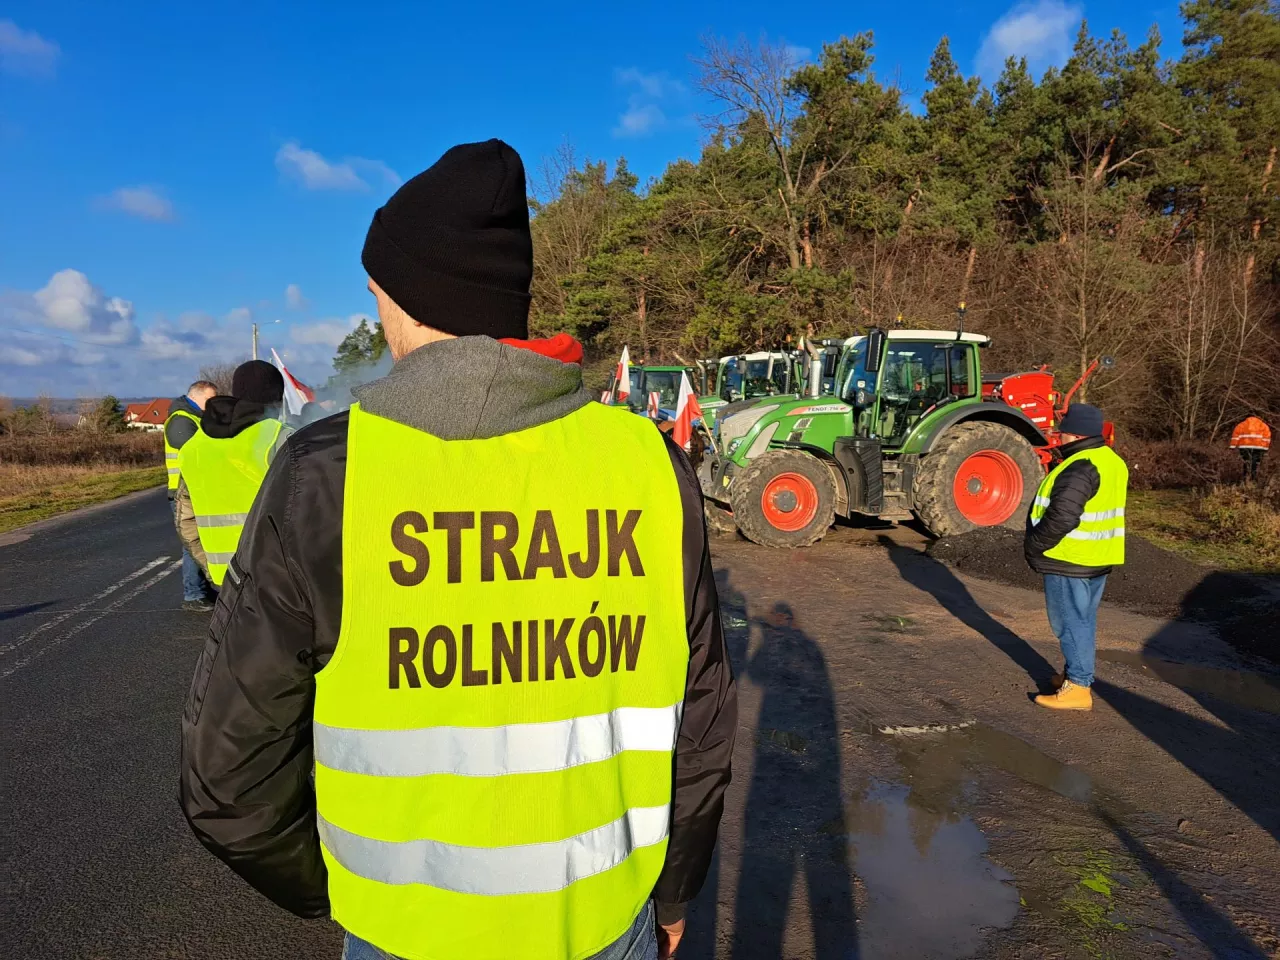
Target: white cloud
column 293, row 297
column 654, row 85
column 70, row 302
column 327, row 333
column 796, row 54
column 1042, row 31
column 644, row 114
column 314, row 172
column 24, row 53
column 145, row 203
column 70, row 339
column 640, row 121
column 19, row 357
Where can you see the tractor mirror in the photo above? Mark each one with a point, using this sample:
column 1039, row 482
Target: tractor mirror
column 875, row 347
column 1108, row 362
column 830, row 358
column 741, row 366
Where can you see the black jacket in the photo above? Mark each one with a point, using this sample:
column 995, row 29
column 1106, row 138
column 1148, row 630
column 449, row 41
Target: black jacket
column 1075, row 486
column 246, row 786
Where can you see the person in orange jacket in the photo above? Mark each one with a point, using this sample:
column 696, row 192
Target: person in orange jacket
column 1252, row 437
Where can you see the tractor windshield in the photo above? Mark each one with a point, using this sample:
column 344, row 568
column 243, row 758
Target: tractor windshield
column 758, row 381
column 851, row 373
column 665, row 383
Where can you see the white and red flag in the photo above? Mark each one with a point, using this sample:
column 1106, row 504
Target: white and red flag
column 687, row 411
column 655, row 400
column 622, row 377
column 296, row 393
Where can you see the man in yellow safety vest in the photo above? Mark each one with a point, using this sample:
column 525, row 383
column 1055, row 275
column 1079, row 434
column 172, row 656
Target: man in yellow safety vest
column 466, row 689
column 224, row 464
column 1075, row 537
column 181, row 425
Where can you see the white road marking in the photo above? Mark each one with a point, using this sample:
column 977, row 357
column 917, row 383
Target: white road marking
column 84, row 624
column 60, row 618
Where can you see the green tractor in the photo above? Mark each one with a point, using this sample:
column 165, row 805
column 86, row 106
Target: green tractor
column 909, row 428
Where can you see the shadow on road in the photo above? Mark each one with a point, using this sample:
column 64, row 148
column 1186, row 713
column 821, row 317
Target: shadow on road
column 22, row 611
column 1213, row 928
column 923, row 572
column 793, row 792
column 1236, row 755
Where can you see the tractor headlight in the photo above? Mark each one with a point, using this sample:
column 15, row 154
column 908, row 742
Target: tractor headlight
column 733, row 446
column 761, row 443
column 738, row 425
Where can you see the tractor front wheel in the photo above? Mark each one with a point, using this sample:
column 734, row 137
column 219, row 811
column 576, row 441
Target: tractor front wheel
column 977, row 475
column 785, row 498
column 720, row 522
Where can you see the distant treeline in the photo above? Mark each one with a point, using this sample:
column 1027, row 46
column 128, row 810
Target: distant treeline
column 1121, row 205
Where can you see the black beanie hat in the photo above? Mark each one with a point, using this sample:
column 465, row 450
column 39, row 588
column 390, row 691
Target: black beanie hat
column 452, row 246
column 258, row 382
column 1083, row 420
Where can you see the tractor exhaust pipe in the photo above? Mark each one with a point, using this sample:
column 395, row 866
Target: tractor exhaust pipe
column 813, row 385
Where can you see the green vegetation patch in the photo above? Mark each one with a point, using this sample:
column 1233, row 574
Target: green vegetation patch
column 49, row 501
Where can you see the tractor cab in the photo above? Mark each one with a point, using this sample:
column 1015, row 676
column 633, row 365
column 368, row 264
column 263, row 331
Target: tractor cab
column 646, row 380
column 892, row 380
column 734, row 380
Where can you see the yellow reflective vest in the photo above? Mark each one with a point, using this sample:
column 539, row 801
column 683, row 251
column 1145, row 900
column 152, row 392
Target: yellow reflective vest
column 1098, row 540
column 223, row 477
column 494, row 733
column 171, row 452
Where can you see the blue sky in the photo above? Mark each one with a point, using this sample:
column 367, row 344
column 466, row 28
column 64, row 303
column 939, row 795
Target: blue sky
column 170, row 173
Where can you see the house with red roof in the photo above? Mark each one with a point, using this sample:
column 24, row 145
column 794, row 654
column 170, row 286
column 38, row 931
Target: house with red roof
column 147, row 416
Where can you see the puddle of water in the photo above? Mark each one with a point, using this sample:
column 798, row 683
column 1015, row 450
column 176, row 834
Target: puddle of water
column 954, row 754
column 1256, row 691
column 931, row 892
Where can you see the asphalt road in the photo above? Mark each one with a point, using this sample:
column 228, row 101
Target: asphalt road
column 96, row 655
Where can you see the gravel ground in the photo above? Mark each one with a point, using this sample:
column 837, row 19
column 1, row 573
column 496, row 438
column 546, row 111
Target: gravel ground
column 1152, row 581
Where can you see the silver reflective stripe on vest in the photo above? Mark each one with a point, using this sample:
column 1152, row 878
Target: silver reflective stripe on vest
column 222, row 520
column 218, row 557
column 1041, row 501
column 495, row 751
column 498, row 871
column 1102, row 514
column 1096, row 534
column 171, row 456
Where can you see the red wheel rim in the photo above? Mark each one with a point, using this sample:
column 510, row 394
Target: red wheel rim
column 789, row 502
column 988, row 488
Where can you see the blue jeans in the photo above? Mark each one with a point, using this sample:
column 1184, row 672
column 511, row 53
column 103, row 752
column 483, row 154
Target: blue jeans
column 1072, row 604
column 195, row 586
column 638, row 943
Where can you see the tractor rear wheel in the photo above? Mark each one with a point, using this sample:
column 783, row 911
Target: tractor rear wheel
column 977, row 475
column 785, row 498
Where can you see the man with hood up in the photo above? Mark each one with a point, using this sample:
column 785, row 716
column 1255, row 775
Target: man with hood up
column 480, row 609
column 224, row 463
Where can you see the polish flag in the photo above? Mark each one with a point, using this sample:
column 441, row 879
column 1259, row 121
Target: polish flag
column 622, row 377
column 687, row 410
column 655, row 399
column 296, row 393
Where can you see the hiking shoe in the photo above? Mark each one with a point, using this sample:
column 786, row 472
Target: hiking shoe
column 1070, row 696
column 198, row 606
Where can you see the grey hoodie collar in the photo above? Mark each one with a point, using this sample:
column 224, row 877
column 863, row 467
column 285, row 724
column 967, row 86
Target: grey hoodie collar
column 474, row 387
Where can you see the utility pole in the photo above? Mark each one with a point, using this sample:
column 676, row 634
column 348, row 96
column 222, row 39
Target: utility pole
column 255, row 341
